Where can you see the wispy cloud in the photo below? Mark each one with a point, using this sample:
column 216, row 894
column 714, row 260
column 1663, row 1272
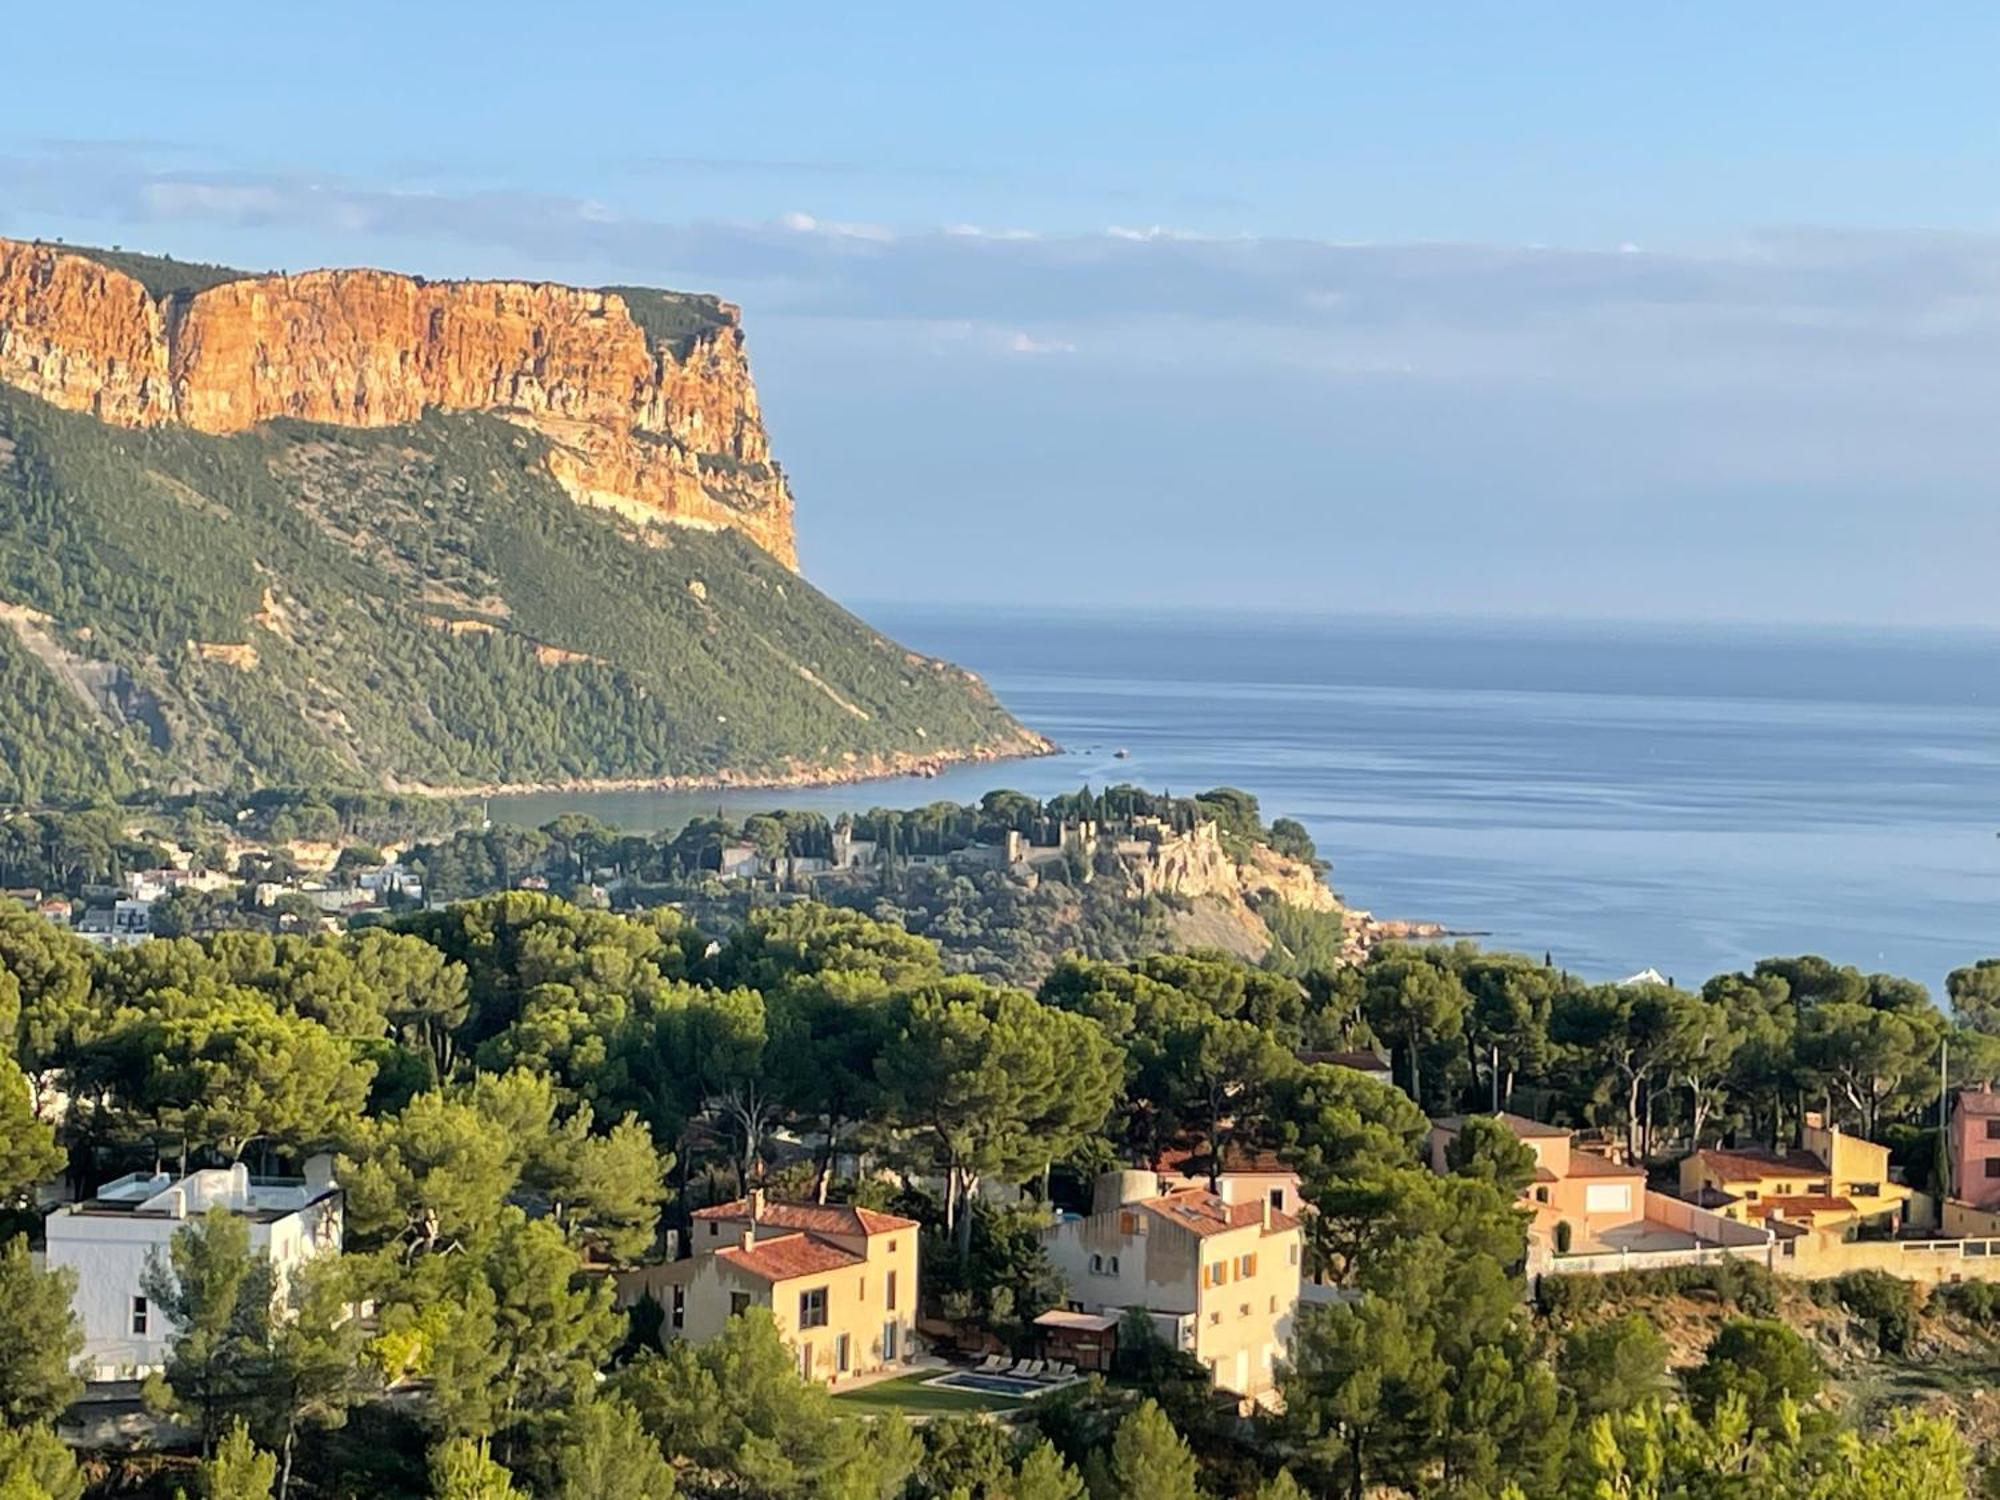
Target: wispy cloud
column 1748, row 426
column 1790, row 311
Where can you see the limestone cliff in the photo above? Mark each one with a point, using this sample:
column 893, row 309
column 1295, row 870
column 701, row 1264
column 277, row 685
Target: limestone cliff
column 645, row 397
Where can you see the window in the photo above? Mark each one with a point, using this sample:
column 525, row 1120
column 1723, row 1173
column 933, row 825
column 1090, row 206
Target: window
column 1104, row 1265
column 805, row 1361
column 1541, row 1195
column 889, row 1293
column 1750, row 1195
column 842, row 1354
column 1215, row 1320
column 739, row 1302
column 1993, row 1166
column 891, row 1339
column 861, row 1288
column 1243, row 1311
column 1993, row 1130
column 1274, row 1305
column 680, row 1307
column 1097, row 1265
column 812, row 1308
column 1607, row 1198
column 714, row 1229
column 1295, row 1255
column 1278, row 1199
column 1246, row 1267
column 1218, row 1273
column 139, row 1317
column 1128, row 1223
column 1864, row 1190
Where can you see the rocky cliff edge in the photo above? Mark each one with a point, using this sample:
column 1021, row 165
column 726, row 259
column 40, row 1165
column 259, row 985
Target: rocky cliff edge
column 644, row 397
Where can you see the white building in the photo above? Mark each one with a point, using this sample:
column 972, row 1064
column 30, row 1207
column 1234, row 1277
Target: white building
column 109, row 1239
column 394, row 878
column 119, row 925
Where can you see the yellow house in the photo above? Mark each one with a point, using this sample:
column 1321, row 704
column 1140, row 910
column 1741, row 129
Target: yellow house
column 840, row 1281
column 1830, row 1181
column 1219, row 1279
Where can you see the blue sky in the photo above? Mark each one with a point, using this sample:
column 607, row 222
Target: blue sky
column 1570, row 309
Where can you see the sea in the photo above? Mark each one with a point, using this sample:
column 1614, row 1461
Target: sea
column 1620, row 797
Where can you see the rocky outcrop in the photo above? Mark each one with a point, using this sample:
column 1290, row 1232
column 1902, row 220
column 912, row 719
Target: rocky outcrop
column 661, row 425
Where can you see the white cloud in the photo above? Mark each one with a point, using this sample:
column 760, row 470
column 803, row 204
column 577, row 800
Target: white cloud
column 1023, row 343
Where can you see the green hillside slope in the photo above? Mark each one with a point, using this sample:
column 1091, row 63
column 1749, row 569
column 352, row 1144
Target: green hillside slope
column 418, row 606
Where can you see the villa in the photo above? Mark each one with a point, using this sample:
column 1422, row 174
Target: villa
column 1831, row 1181
column 109, row 1239
column 840, row 1281
column 1218, row 1279
column 1593, row 1212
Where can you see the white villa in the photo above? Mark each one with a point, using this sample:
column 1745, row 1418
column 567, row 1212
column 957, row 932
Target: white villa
column 108, row 1240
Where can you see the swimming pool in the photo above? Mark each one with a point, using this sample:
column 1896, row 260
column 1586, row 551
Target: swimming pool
column 997, row 1385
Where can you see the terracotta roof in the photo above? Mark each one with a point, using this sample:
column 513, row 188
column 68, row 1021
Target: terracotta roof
column 1590, row 1164
column 1978, row 1102
column 1543, row 1174
column 1204, row 1213
column 1521, row 1125
column 814, row 1218
column 790, row 1256
column 1192, row 1161
column 1800, row 1206
column 1707, row 1196
column 1755, row 1165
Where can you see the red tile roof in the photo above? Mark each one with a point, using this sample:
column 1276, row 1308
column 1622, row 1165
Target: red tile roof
column 1204, row 1213
column 1590, row 1164
column 814, row 1218
column 1755, row 1165
column 1192, row 1161
column 1800, row 1207
column 1978, row 1102
column 790, row 1256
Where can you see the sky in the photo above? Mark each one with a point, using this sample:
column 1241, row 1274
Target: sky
column 1560, row 310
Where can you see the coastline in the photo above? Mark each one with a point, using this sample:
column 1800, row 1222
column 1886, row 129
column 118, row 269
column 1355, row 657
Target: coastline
column 1028, row 745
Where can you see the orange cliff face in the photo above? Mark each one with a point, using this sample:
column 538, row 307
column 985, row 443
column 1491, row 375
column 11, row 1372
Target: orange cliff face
column 662, row 432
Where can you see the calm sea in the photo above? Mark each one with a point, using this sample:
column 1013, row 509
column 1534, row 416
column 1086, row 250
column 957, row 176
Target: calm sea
column 1619, row 796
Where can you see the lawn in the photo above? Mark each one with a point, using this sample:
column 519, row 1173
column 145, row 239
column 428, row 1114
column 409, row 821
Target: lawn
column 913, row 1398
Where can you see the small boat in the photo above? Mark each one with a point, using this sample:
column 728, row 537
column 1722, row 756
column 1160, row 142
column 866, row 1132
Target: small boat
column 1121, row 753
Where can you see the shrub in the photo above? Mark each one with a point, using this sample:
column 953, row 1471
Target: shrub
column 1738, row 1285
column 1886, row 1304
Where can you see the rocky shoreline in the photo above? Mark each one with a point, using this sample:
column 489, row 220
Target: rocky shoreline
column 853, row 768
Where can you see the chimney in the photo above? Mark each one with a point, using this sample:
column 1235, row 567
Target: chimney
column 1267, row 1213
column 747, row 1240
column 756, row 1202
column 319, row 1173
column 1116, row 1188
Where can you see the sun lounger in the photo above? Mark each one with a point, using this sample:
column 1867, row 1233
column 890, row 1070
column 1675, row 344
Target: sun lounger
column 1021, row 1368
column 1062, row 1369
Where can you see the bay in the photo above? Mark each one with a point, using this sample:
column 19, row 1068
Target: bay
column 1684, row 798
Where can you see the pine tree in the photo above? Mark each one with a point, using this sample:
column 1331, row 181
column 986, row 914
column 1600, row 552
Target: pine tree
column 240, row 1470
column 1150, row 1460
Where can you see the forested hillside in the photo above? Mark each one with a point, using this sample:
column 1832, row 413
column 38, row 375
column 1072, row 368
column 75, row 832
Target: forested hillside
column 521, row 1093
column 417, row 605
